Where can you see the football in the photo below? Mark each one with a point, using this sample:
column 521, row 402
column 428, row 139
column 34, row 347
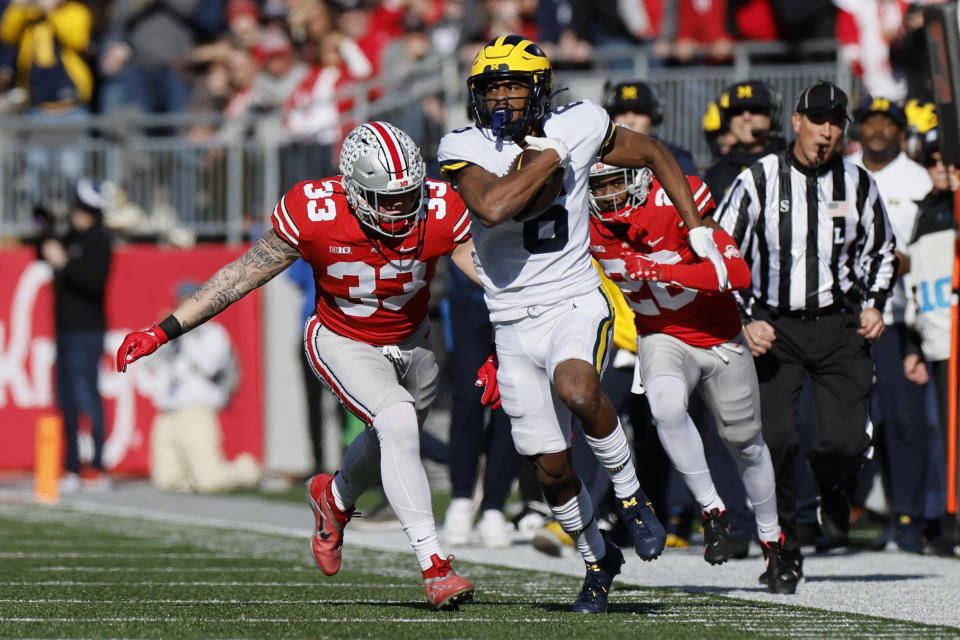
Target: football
column 547, row 194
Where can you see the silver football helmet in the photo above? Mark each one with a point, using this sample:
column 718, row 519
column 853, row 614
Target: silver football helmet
column 383, row 174
column 626, row 194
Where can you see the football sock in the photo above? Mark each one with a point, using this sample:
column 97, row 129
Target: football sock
column 586, row 535
column 680, row 439
column 360, row 470
column 756, row 469
column 613, row 453
column 424, row 540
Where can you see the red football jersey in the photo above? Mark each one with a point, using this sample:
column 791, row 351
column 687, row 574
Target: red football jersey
column 369, row 288
column 698, row 318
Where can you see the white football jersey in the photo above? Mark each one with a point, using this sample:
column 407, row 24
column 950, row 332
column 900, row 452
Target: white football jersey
column 543, row 260
column 901, row 183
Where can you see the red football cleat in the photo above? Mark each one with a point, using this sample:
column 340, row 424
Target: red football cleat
column 327, row 540
column 445, row 589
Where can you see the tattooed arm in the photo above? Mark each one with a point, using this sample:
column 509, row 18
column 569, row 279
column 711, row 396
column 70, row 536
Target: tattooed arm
column 258, row 265
column 262, row 262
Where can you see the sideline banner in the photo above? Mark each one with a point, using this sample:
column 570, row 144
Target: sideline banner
column 141, row 291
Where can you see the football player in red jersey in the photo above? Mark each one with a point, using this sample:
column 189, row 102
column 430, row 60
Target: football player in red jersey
column 373, row 236
column 688, row 335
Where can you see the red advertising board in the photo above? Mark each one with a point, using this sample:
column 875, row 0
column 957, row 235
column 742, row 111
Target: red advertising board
column 141, row 290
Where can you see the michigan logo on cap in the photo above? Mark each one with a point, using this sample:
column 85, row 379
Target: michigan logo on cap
column 880, row 104
column 628, row 92
column 744, row 91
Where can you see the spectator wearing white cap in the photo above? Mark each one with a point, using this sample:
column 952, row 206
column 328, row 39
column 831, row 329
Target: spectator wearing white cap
column 897, row 405
column 196, row 376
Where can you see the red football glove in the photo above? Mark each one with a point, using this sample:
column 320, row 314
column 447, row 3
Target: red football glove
column 139, row 344
column 641, row 267
column 487, row 379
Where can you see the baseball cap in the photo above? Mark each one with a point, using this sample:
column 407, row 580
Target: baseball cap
column 885, row 106
column 752, row 94
column 823, row 97
column 272, row 42
column 236, row 8
column 631, row 96
column 89, row 196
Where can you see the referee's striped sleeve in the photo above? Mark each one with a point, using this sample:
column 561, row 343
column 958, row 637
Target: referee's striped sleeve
column 737, row 214
column 877, row 261
column 738, row 211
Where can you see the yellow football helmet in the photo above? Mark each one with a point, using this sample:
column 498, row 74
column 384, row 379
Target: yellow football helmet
column 921, row 116
column 511, row 57
column 923, row 136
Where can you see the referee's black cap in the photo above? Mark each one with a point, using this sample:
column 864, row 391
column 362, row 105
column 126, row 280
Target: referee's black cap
column 883, row 106
column 822, row 98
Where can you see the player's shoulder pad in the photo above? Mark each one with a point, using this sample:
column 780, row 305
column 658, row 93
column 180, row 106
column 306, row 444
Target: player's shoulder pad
column 307, row 203
column 457, row 150
column 701, row 195
column 578, row 123
column 458, row 144
column 446, row 209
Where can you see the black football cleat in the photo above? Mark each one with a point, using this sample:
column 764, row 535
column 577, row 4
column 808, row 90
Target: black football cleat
column 717, row 547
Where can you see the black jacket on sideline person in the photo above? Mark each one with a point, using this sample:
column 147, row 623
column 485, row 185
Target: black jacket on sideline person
column 725, row 170
column 80, row 287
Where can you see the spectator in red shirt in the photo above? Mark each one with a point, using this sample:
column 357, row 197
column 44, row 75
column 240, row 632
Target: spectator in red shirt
column 372, row 26
column 701, row 30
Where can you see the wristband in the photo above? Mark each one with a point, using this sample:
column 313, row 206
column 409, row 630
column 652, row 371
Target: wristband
column 171, row 327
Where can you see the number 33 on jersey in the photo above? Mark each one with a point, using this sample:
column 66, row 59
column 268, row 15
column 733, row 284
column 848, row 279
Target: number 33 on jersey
column 369, row 287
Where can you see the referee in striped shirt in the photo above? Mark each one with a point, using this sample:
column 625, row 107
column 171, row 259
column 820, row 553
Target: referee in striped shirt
column 815, row 233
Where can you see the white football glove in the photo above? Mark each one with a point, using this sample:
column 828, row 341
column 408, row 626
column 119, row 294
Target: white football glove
column 702, row 243
column 542, row 144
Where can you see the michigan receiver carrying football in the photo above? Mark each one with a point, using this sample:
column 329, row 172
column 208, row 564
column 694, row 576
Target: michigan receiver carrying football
column 552, row 321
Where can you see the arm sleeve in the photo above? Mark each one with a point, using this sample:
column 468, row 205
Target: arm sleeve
column 72, row 24
column 737, row 215
column 912, row 343
column 581, row 11
column 702, row 275
column 358, row 65
column 634, row 16
column 738, row 211
column 877, row 261
column 14, row 21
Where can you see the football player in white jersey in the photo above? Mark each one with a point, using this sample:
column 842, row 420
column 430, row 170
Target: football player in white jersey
column 373, row 237
column 552, row 321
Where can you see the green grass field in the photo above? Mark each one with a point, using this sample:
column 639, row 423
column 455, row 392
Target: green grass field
column 68, row 574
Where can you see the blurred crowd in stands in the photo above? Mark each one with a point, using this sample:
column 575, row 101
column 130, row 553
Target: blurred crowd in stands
column 62, row 59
